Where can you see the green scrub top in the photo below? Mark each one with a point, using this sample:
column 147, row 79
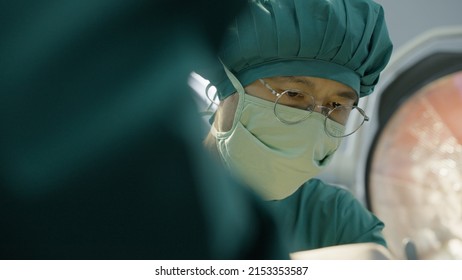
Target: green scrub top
column 320, row 215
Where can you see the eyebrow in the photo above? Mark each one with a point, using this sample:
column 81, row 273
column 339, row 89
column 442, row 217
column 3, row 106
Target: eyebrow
column 344, row 94
column 349, row 95
column 308, row 83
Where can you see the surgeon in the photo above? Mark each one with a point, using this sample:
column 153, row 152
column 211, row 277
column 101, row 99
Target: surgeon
column 289, row 77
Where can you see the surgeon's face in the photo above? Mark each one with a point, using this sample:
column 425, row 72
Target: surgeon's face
column 325, row 92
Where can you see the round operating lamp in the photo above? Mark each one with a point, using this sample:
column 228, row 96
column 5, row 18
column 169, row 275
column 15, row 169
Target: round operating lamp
column 414, row 166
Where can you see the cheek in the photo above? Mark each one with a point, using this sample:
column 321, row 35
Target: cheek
column 226, row 112
column 258, row 90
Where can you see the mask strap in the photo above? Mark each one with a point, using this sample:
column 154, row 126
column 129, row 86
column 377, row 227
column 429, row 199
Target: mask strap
column 234, row 81
column 241, row 91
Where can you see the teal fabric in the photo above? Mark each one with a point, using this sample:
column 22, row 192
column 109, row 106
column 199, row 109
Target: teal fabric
column 345, row 40
column 101, row 155
column 320, row 215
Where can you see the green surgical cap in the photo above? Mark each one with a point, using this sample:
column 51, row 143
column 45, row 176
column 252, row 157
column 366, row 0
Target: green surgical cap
column 342, row 40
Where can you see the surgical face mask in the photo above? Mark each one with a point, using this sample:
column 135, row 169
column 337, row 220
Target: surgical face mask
column 274, row 158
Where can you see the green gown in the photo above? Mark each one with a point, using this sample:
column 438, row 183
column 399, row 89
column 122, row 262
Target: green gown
column 320, row 215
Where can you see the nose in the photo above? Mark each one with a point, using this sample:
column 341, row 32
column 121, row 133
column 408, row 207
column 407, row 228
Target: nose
column 321, row 109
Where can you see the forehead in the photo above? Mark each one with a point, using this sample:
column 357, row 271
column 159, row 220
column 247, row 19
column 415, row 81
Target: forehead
column 314, row 85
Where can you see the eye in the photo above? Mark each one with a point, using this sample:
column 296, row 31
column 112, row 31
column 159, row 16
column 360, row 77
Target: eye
column 336, row 104
column 333, row 105
column 295, row 98
column 293, row 93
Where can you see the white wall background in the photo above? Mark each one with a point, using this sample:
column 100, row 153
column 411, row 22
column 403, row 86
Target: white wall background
column 409, row 18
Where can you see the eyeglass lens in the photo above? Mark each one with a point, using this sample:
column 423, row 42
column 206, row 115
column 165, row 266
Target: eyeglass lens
column 350, row 117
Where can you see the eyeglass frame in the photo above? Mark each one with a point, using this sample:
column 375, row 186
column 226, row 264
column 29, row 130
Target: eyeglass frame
column 323, row 110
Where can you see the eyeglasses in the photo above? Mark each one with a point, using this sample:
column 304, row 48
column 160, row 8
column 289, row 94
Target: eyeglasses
column 351, row 117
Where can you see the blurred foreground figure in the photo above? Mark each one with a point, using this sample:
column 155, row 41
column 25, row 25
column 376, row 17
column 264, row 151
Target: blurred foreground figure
column 100, row 153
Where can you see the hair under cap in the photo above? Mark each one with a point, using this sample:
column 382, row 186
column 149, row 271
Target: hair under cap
column 342, row 40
